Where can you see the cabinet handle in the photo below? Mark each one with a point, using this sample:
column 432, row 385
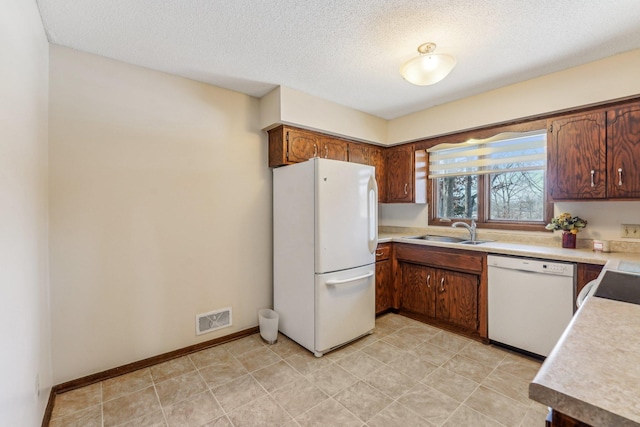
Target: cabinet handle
column 442, row 285
column 592, row 174
column 429, row 281
column 379, row 253
column 287, row 139
column 326, row 152
column 315, row 150
column 619, row 177
column 406, row 186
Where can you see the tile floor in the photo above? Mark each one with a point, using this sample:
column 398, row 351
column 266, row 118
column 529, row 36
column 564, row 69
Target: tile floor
column 405, row 374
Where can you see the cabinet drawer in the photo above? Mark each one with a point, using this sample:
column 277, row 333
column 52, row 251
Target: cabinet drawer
column 383, row 251
column 452, row 259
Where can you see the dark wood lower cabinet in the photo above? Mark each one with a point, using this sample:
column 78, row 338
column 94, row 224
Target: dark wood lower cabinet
column 417, row 294
column 384, row 282
column 447, row 296
column 384, row 286
column 457, row 299
column 585, row 274
column 559, row 419
column 444, row 287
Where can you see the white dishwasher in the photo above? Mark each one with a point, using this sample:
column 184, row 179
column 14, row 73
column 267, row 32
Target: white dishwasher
column 530, row 301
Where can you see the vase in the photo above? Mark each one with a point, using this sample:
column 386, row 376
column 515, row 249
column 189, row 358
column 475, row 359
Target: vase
column 568, row 240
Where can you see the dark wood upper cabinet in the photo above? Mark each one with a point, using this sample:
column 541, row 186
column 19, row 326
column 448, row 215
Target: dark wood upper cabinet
column 359, row 153
column 623, row 151
column 291, row 145
column 378, row 159
column 576, row 157
column 406, row 174
column 400, row 166
column 593, row 155
column 333, row 148
column 371, row 155
column 288, row 145
column 302, row 146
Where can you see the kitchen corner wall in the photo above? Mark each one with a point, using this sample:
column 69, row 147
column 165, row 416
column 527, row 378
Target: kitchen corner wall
column 414, row 215
column 160, row 209
column 604, row 218
column 609, row 78
column 25, row 356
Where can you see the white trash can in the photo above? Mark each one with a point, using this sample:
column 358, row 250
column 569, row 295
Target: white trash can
column 268, row 321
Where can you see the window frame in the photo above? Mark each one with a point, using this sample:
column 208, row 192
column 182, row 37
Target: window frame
column 483, row 220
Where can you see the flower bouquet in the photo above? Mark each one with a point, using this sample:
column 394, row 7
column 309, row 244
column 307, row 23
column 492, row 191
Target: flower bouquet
column 570, row 225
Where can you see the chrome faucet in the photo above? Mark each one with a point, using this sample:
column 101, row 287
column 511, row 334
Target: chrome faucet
column 471, row 228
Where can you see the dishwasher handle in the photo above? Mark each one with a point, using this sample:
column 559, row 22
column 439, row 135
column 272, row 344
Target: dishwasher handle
column 522, row 270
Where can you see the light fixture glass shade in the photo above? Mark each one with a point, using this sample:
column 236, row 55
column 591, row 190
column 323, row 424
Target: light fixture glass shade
column 427, row 68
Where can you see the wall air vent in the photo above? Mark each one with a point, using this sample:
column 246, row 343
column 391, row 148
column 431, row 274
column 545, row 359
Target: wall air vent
column 213, row 320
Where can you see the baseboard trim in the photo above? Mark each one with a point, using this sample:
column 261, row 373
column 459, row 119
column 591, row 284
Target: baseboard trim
column 130, row 367
column 49, row 409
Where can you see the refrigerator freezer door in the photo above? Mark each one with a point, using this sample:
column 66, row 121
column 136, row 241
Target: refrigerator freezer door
column 344, row 306
column 346, row 215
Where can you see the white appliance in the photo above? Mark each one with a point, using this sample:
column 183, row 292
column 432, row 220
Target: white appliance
column 616, row 265
column 325, row 233
column 530, row 302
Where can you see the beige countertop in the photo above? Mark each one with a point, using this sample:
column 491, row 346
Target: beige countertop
column 537, row 250
column 593, row 373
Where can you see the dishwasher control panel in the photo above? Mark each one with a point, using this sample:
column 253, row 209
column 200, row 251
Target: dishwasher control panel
column 554, row 268
column 532, row 265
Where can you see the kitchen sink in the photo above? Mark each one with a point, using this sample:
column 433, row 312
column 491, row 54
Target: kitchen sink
column 447, row 239
column 474, row 242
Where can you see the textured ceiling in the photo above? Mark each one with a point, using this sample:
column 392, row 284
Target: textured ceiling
column 347, row 51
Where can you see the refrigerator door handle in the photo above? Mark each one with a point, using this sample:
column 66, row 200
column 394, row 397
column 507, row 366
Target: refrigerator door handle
column 372, row 200
column 349, row 280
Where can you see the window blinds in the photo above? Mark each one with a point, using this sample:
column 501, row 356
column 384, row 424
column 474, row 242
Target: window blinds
column 505, row 152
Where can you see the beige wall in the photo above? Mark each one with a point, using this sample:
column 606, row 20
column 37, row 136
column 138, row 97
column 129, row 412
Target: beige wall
column 24, row 288
column 289, row 106
column 609, row 78
column 160, row 210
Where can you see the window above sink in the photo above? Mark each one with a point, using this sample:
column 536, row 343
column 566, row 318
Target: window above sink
column 495, row 176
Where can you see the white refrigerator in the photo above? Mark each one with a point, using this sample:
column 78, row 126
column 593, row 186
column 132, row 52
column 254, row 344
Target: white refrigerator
column 325, row 233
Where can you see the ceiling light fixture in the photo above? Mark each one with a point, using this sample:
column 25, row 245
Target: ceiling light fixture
column 428, row 67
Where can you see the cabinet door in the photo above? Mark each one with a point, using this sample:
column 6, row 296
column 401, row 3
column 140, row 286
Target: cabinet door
column 335, row 149
column 417, row 289
column 457, row 299
column 400, row 174
column 385, row 291
column 623, row 151
column 301, row 146
column 379, row 161
column 359, row 153
column 577, row 157
column 384, row 286
column 585, row 274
